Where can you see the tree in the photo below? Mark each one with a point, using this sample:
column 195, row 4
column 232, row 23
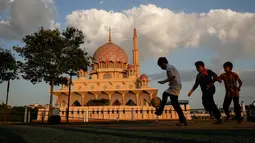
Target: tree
column 75, row 57
column 48, row 55
column 8, row 70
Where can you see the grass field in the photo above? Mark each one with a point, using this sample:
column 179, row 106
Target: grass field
column 130, row 132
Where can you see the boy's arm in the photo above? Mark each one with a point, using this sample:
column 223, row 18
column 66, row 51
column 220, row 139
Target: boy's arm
column 219, row 78
column 215, row 78
column 194, row 87
column 170, row 77
column 240, row 83
column 214, row 75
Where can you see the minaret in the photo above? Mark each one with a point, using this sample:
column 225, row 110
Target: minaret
column 136, row 60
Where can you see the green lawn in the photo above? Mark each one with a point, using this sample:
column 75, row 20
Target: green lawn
column 93, row 133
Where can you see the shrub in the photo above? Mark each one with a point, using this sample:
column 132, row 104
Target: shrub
column 98, row 102
column 11, row 118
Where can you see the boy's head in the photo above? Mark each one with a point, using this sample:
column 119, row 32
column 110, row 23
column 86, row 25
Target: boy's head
column 228, row 66
column 200, row 66
column 162, row 62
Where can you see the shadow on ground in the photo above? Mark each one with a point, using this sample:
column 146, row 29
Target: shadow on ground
column 152, row 138
column 7, row 136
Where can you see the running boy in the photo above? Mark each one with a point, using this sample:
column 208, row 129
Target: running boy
column 206, row 78
column 173, row 78
column 232, row 90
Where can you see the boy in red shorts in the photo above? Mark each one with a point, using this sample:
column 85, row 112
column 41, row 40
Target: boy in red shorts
column 232, row 90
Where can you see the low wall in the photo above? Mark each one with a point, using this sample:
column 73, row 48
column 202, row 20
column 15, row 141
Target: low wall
column 116, row 113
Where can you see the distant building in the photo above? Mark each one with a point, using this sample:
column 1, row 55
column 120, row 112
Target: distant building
column 36, row 105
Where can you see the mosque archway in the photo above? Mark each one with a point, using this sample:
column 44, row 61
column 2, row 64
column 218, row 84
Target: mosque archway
column 144, row 98
column 89, row 96
column 102, row 95
column 116, row 96
column 76, row 103
column 130, row 96
column 111, row 64
column 103, row 65
column 118, row 65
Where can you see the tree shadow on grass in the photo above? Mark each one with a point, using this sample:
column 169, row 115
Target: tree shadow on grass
column 133, row 136
column 215, row 132
column 11, row 136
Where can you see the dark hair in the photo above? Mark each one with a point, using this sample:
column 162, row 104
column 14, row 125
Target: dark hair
column 199, row 63
column 162, row 60
column 228, row 64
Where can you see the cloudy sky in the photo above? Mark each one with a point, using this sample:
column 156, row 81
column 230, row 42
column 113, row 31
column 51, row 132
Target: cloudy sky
column 185, row 31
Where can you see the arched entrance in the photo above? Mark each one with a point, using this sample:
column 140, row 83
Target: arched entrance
column 102, row 95
column 144, row 98
column 116, row 98
column 89, row 96
column 130, row 96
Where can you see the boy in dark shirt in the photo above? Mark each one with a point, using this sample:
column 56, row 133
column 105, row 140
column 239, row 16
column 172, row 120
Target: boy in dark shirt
column 206, row 78
column 232, row 90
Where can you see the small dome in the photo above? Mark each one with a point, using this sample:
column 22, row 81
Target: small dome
column 131, row 67
column 110, row 52
column 144, row 77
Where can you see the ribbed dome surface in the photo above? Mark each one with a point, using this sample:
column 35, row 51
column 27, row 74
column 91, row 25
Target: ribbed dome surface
column 110, row 52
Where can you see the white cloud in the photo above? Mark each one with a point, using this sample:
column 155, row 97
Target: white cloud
column 101, row 2
column 228, row 33
column 25, row 17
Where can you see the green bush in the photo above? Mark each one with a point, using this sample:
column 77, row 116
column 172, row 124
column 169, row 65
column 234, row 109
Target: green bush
column 16, row 114
column 54, row 120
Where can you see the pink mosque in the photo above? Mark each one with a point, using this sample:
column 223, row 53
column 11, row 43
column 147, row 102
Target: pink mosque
column 112, row 78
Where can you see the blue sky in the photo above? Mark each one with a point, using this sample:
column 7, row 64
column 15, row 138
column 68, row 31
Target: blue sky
column 23, row 92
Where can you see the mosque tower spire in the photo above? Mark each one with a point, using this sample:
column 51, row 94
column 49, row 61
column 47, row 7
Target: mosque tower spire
column 136, row 59
column 110, row 35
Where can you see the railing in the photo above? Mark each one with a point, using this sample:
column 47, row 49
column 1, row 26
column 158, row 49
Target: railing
column 131, row 113
column 89, row 116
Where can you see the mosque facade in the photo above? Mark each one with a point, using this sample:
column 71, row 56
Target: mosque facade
column 114, row 79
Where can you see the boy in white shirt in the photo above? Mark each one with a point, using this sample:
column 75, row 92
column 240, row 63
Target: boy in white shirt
column 173, row 78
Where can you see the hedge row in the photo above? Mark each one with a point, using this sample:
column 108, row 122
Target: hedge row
column 16, row 114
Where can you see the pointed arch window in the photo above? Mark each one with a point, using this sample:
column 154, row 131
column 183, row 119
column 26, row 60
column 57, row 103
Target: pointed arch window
column 103, row 65
column 118, row 65
column 111, row 64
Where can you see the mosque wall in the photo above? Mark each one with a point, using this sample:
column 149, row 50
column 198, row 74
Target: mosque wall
column 115, row 113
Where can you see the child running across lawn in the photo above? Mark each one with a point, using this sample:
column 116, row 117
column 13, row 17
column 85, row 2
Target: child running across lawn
column 232, row 90
column 206, row 78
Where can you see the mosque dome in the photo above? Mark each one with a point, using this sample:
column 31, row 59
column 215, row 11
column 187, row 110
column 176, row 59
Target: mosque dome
column 110, row 52
column 144, row 77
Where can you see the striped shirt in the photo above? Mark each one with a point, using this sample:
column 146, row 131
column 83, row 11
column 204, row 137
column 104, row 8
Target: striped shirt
column 230, row 82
